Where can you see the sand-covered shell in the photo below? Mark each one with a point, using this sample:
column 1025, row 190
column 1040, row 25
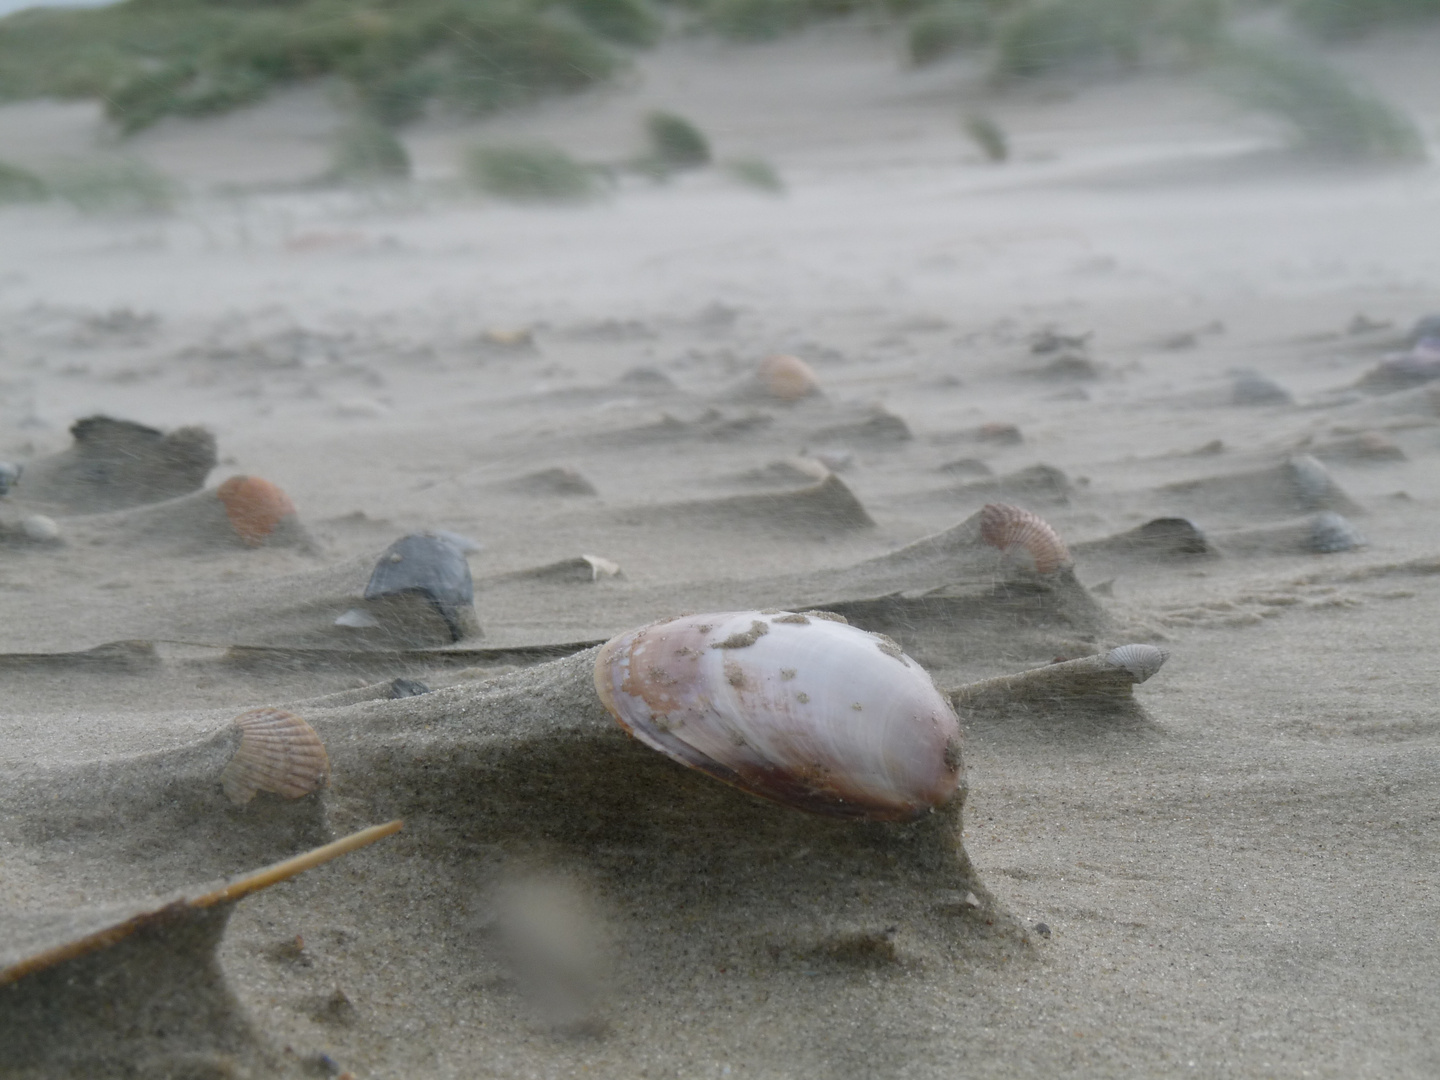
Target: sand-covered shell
column 1331, row 532
column 432, row 566
column 1141, row 661
column 788, row 377
column 798, row 709
column 1252, row 388
column 254, row 506
column 278, row 752
column 1018, row 532
column 40, row 529
column 1313, row 484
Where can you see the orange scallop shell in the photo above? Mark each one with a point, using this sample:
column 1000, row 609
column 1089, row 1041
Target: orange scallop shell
column 254, row 507
column 788, row 377
column 280, row 753
column 1012, row 529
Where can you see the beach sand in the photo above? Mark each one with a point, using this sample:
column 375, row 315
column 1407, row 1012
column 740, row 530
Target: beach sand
column 1232, row 875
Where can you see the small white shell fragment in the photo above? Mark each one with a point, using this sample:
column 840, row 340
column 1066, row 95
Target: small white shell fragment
column 1141, row 661
column 40, row 529
column 357, row 619
column 278, row 752
column 601, row 567
column 797, row 709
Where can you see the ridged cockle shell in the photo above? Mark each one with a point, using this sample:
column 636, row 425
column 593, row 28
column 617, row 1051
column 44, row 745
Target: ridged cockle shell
column 254, row 506
column 1019, row 533
column 799, row 709
column 278, row 752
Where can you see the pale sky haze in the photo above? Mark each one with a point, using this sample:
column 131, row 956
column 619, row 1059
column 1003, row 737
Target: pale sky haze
column 8, row 6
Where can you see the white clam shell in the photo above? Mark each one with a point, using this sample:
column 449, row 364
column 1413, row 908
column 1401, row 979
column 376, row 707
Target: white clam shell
column 798, row 709
column 1141, row 661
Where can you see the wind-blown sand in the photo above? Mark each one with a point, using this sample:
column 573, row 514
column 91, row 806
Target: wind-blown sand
column 1236, row 875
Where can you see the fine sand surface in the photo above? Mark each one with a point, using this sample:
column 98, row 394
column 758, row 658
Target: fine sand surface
column 1236, row 873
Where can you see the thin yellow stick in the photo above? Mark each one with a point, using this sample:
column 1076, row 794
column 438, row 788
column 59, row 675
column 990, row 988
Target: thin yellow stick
column 253, row 882
column 271, row 875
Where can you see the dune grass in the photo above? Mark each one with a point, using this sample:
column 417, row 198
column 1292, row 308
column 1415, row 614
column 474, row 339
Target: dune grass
column 17, row 185
column 945, row 28
column 757, row 173
column 676, row 143
column 989, row 136
column 147, row 59
column 118, row 184
column 531, row 173
column 366, row 150
column 1330, row 117
column 1336, row 20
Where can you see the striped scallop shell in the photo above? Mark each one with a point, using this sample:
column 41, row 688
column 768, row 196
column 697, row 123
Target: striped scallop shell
column 1019, row 532
column 279, row 753
column 254, row 507
column 795, row 708
column 1141, row 661
column 788, row 377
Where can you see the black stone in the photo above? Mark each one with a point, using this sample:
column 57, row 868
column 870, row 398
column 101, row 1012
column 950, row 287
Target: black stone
column 432, row 567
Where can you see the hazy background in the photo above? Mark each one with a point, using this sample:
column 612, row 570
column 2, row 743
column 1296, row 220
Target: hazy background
column 511, row 270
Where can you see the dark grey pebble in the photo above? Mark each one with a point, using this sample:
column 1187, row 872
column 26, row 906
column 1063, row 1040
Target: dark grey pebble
column 647, row 378
column 400, row 688
column 966, row 467
column 1251, row 388
column 1427, row 327
column 431, row 566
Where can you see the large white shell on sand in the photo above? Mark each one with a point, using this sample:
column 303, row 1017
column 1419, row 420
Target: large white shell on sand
column 279, row 752
column 801, row 710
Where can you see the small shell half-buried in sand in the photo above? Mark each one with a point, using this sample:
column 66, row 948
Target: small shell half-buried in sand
column 1104, row 675
column 1019, row 533
column 254, row 506
column 787, row 377
column 801, row 710
column 1139, row 660
column 280, row 753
